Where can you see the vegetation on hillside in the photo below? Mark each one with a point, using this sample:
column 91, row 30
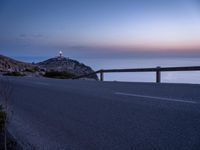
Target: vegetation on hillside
column 15, row 73
column 11, row 144
column 6, row 140
column 58, row 75
column 32, row 70
column 2, row 119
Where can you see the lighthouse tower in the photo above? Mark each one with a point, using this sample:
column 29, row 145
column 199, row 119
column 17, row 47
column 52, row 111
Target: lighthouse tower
column 61, row 54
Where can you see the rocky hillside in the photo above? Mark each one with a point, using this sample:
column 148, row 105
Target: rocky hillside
column 62, row 64
column 59, row 65
column 10, row 65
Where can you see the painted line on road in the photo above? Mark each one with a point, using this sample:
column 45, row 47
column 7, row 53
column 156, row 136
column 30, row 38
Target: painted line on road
column 156, row 98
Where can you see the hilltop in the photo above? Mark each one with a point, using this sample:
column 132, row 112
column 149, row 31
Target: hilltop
column 57, row 67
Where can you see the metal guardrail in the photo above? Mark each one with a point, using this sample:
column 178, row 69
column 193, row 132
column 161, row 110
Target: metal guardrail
column 157, row 70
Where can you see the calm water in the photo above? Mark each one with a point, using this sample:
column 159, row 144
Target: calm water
column 175, row 77
column 172, row 77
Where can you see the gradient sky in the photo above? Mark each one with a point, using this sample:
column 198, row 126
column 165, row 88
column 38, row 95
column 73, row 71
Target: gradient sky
column 91, row 28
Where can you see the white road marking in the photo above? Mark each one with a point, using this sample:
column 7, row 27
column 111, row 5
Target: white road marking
column 156, row 98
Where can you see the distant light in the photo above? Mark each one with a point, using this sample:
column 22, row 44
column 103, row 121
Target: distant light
column 61, row 53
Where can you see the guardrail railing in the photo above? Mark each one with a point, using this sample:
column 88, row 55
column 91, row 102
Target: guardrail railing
column 157, row 70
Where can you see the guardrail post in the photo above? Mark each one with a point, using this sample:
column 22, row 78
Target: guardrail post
column 101, row 75
column 158, row 75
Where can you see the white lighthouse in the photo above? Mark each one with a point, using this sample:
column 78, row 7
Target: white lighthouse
column 61, row 54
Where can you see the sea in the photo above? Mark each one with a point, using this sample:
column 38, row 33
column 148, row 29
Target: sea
column 139, row 62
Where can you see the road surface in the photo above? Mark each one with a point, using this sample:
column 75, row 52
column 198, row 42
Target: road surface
column 51, row 114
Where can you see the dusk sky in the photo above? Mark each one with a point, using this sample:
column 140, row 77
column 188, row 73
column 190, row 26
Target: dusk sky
column 99, row 28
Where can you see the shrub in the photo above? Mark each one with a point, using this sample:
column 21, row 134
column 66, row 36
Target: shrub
column 58, row 74
column 15, row 73
column 36, row 69
column 29, row 70
column 2, row 119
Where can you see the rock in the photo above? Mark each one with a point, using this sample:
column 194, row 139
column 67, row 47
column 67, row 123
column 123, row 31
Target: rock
column 10, row 65
column 63, row 64
column 57, row 64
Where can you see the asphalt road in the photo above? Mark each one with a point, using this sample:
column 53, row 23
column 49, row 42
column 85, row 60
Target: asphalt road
column 88, row 115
